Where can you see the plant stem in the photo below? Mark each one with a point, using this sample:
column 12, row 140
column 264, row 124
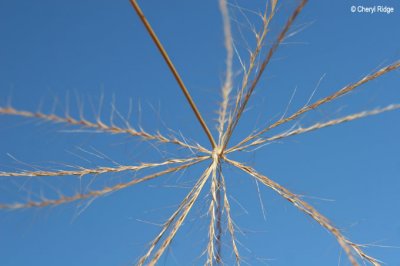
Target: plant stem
column 173, row 70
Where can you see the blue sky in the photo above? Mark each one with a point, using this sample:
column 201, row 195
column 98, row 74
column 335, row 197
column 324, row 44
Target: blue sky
column 76, row 53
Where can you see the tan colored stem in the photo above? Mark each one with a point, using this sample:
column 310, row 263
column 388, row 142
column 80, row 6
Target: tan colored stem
column 98, row 170
column 260, row 37
column 263, row 66
column 231, row 227
column 168, row 223
column 95, row 193
column 212, row 211
column 183, row 215
column 173, row 70
column 98, row 125
column 319, row 125
column 227, row 87
column 348, row 246
column 322, row 101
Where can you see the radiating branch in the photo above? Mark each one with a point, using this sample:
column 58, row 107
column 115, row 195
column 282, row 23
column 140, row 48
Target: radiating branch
column 168, row 223
column 99, row 170
column 349, row 247
column 173, row 70
column 231, row 227
column 263, row 66
column 187, row 207
column 317, row 126
column 325, row 100
column 100, row 126
column 219, row 212
column 227, row 87
column 260, row 37
column 212, row 255
column 95, row 193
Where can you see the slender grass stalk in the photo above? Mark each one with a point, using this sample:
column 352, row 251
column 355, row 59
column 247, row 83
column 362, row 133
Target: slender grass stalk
column 173, row 70
column 226, row 91
column 263, row 66
column 95, row 193
column 260, row 37
column 212, row 255
column 184, row 213
column 317, row 126
column 231, row 227
column 227, row 87
column 348, row 246
column 325, row 100
column 100, row 126
column 169, row 222
column 100, row 170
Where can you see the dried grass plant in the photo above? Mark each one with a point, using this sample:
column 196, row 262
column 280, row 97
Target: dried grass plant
column 235, row 100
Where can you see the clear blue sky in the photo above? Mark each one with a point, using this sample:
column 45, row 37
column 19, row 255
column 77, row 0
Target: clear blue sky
column 80, row 51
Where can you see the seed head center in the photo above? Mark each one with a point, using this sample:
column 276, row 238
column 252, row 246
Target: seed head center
column 217, row 153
